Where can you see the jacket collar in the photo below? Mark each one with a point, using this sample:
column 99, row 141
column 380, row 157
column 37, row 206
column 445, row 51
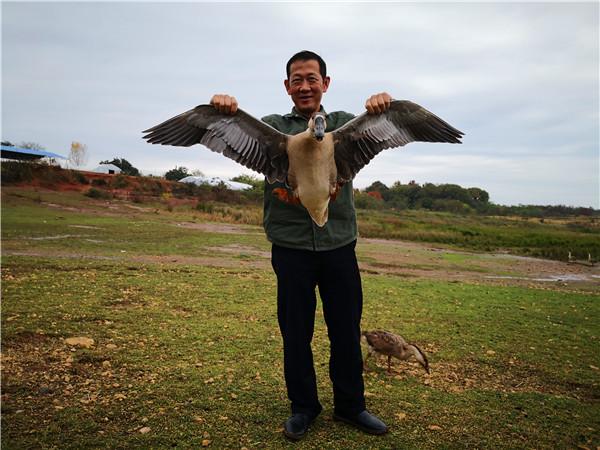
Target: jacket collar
column 296, row 113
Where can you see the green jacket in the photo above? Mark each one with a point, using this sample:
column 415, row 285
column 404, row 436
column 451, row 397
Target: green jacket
column 290, row 225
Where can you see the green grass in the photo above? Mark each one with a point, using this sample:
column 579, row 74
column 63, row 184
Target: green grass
column 548, row 239
column 193, row 351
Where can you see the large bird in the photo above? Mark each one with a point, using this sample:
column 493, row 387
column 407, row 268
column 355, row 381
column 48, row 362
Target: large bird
column 390, row 344
column 314, row 164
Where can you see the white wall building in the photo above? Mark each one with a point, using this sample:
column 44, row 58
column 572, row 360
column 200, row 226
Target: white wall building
column 107, row 168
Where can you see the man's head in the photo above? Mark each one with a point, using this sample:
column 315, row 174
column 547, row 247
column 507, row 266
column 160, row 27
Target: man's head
column 306, row 81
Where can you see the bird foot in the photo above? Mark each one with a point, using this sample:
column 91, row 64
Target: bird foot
column 333, row 193
column 284, row 195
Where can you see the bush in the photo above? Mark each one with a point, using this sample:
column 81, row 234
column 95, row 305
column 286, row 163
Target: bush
column 99, row 182
column 451, row 205
column 98, row 193
column 16, row 172
column 80, row 178
column 366, row 201
column 205, row 207
column 119, row 182
column 177, row 173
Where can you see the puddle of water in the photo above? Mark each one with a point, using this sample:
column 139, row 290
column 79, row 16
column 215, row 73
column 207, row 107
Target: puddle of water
column 49, row 238
column 90, row 227
column 563, row 277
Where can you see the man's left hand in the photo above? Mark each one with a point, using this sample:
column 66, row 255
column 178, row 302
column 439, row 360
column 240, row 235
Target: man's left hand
column 378, row 103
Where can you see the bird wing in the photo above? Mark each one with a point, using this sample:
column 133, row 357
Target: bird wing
column 361, row 139
column 240, row 136
column 383, row 341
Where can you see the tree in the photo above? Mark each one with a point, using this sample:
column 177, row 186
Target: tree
column 78, row 154
column 377, row 186
column 124, row 165
column 478, row 195
column 32, row 146
column 177, row 173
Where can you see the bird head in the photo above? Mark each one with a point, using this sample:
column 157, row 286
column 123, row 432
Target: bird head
column 420, row 357
column 317, row 125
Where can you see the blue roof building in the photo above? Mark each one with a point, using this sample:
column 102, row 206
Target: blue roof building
column 27, row 154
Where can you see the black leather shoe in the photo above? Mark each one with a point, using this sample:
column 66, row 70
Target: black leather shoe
column 364, row 421
column 296, row 426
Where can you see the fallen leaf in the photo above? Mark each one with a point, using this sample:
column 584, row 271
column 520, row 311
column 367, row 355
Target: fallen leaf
column 206, row 442
column 80, row 341
column 145, row 430
column 490, row 352
column 400, row 416
column 434, row 427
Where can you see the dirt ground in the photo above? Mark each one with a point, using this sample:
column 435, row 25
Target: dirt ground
column 380, row 256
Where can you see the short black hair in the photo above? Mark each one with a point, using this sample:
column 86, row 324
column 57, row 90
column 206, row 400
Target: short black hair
column 306, row 55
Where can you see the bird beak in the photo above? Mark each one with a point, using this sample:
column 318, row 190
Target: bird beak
column 319, row 130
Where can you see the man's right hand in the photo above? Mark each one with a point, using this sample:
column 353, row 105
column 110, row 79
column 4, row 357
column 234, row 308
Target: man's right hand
column 224, row 103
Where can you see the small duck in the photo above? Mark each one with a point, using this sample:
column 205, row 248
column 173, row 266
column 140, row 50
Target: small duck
column 390, row 344
column 314, row 164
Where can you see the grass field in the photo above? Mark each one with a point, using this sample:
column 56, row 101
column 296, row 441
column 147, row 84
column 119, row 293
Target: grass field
column 186, row 351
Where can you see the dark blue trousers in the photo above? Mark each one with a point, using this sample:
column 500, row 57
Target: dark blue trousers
column 336, row 274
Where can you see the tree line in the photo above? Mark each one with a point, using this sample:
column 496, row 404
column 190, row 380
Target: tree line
column 453, row 198
column 429, row 196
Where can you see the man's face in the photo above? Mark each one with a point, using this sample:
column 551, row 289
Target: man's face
column 306, row 86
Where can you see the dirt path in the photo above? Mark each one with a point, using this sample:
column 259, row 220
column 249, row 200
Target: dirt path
column 381, row 257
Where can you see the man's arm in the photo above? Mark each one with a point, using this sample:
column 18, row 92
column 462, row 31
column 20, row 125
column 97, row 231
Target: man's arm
column 378, row 103
column 224, row 103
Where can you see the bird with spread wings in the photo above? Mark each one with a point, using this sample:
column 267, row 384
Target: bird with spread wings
column 313, row 164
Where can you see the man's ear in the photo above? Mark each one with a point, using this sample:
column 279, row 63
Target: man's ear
column 326, row 82
column 286, row 83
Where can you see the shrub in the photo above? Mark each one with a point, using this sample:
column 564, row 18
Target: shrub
column 80, row 178
column 99, row 182
column 16, row 172
column 97, row 193
column 205, row 207
column 366, row 201
column 119, row 182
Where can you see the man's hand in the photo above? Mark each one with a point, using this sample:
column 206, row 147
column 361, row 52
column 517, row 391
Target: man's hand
column 378, row 103
column 224, row 103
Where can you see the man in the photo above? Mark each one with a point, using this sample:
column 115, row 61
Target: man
column 305, row 256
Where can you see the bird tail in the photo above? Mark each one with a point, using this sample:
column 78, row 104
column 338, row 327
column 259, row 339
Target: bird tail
column 364, row 337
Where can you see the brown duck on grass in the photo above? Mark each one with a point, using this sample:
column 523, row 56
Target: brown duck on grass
column 390, row 344
column 313, row 164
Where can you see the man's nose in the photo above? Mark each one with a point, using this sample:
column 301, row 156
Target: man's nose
column 305, row 86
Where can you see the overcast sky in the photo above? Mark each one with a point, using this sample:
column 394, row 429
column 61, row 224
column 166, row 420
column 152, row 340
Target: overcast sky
column 520, row 79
